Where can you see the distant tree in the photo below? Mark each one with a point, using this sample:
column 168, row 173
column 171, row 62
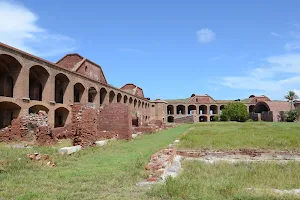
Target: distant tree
column 234, row 111
column 291, row 96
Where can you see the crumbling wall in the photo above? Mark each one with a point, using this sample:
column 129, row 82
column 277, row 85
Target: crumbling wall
column 31, row 127
column 185, row 119
column 118, row 118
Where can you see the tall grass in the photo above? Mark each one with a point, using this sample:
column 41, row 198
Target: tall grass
column 227, row 181
column 234, row 135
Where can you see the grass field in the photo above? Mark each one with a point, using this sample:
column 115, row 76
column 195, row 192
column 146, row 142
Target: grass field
column 234, row 135
column 230, row 182
column 109, row 172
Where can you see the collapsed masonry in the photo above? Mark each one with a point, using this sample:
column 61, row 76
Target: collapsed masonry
column 88, row 125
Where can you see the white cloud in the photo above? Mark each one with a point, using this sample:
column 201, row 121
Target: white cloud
column 275, row 34
column 18, row 28
column 206, row 35
column 292, row 45
column 279, row 75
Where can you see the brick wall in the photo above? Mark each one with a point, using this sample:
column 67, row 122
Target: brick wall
column 185, row 119
column 116, row 117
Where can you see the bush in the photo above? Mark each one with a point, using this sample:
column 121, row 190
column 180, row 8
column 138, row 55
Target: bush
column 216, row 118
column 292, row 115
column 235, row 111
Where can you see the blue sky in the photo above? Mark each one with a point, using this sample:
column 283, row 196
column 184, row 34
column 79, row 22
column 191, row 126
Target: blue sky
column 227, row 49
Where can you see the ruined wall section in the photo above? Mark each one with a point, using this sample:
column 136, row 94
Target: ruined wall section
column 92, row 71
column 116, row 117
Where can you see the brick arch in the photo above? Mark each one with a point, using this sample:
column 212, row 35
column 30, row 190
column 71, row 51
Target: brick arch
column 78, row 92
column 10, row 69
column 60, row 116
column 261, row 107
column 139, row 103
column 170, row 109
column 180, row 109
column 143, row 104
column 190, row 108
column 130, row 100
column 61, row 84
column 8, row 112
column 213, row 109
column 125, row 99
column 92, row 93
column 103, row 95
column 119, row 97
column 134, row 103
column 112, row 95
column 38, row 77
column 203, row 109
column 38, row 107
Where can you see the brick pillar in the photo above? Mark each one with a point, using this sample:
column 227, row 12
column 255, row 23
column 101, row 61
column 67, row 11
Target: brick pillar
column 21, row 87
column 69, row 94
column 49, row 89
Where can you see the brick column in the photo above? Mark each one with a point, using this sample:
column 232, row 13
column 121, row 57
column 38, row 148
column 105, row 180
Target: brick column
column 49, row 89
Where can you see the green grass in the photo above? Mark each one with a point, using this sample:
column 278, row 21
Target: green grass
column 109, row 172
column 229, row 182
column 235, row 135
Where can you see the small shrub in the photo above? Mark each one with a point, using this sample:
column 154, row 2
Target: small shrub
column 250, row 120
column 216, row 118
column 235, row 111
column 292, row 115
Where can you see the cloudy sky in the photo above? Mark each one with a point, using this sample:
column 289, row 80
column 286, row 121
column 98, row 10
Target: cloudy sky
column 227, row 49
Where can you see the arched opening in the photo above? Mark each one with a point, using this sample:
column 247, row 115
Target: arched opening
column 142, row 104
column 8, row 112
column 191, row 109
column 203, row 119
column 130, row 100
column 221, row 108
column 212, row 118
column 125, row 99
column 61, row 116
column 78, row 92
column 103, row 93
column 119, row 97
column 135, row 121
column 61, row 84
column 251, row 108
column 92, row 94
column 134, row 103
column 170, row 119
column 139, row 104
column 203, row 110
column 180, row 110
column 9, row 72
column 36, row 108
column 111, row 96
column 261, row 107
column 38, row 77
column 213, row 109
column 170, row 110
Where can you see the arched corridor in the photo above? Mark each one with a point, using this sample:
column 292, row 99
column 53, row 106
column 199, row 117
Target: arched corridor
column 61, row 84
column 213, row 109
column 203, row 110
column 38, row 77
column 251, row 108
column 92, row 94
column 203, row 119
column 36, row 108
column 192, row 109
column 103, row 93
column 8, row 112
column 170, row 119
column 111, row 96
column 78, row 92
column 180, row 110
column 9, row 71
column 170, row 110
column 61, row 116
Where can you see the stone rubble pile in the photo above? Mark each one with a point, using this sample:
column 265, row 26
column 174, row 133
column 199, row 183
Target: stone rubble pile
column 159, row 162
column 44, row 158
